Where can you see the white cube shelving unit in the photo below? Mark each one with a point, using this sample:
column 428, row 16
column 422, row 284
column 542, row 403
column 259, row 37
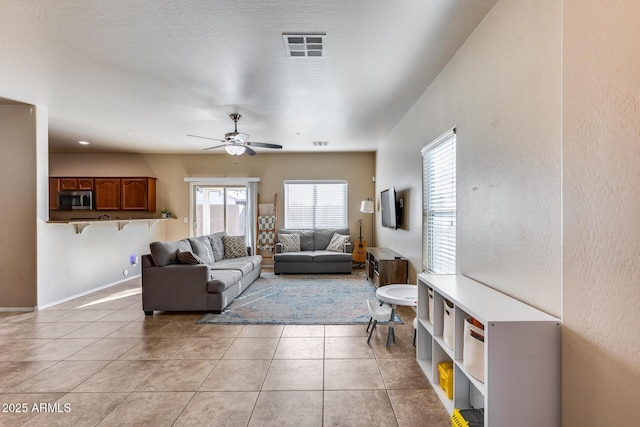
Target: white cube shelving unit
column 522, row 348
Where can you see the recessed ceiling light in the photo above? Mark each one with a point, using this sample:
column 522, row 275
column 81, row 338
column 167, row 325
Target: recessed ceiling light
column 304, row 45
column 83, row 142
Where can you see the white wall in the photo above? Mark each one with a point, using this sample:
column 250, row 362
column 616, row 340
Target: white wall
column 71, row 264
column 502, row 93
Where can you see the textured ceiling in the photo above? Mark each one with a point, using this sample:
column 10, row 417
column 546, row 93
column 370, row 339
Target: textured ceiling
column 137, row 76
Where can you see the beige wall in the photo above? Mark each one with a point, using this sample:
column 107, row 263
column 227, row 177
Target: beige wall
column 271, row 168
column 601, row 195
column 18, row 245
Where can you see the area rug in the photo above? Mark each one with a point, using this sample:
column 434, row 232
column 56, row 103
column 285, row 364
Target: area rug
column 327, row 299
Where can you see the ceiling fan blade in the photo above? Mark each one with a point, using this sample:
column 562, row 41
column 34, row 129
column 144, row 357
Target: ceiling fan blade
column 264, row 145
column 249, row 151
column 214, row 147
column 205, row 137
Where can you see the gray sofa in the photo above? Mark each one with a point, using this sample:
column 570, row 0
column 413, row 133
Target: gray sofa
column 203, row 273
column 313, row 256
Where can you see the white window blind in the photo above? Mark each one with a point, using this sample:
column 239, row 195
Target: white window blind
column 439, row 205
column 315, row 204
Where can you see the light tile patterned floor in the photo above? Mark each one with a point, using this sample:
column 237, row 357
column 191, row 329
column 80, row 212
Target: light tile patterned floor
column 97, row 360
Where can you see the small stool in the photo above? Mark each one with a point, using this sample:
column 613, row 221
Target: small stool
column 379, row 313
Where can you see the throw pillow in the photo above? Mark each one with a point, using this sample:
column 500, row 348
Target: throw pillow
column 201, row 247
column 186, row 257
column 337, row 242
column 234, row 246
column 290, row 242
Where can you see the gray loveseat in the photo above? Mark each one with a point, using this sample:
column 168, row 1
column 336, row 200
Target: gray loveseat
column 203, row 273
column 313, row 256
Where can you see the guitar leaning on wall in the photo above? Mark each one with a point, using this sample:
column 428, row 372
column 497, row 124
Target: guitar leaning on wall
column 360, row 247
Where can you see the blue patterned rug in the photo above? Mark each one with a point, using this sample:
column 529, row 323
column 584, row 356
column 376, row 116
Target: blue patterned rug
column 322, row 299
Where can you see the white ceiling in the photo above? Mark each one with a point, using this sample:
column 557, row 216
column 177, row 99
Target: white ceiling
column 138, row 75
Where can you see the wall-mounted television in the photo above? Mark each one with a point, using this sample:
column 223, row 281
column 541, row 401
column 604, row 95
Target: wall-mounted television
column 390, row 209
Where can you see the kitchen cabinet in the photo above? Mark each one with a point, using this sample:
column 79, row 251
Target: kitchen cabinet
column 107, row 194
column 75, row 184
column 54, row 189
column 139, row 194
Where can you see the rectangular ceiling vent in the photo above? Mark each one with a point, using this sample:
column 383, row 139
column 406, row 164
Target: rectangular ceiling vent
column 320, row 143
column 304, row 45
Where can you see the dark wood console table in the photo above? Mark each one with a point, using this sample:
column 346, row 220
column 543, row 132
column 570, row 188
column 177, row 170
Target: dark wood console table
column 384, row 267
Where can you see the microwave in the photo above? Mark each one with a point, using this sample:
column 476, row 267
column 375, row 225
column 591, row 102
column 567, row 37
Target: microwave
column 72, row 200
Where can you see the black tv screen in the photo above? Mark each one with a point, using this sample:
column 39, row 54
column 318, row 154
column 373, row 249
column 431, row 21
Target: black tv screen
column 389, row 208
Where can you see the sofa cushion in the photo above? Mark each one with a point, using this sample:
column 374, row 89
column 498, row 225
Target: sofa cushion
column 322, row 237
column 242, row 265
column 234, row 246
column 217, row 245
column 202, row 249
column 306, row 256
column 331, row 256
column 165, row 253
column 306, row 238
column 222, row 279
column 290, row 242
column 185, row 257
column 337, row 242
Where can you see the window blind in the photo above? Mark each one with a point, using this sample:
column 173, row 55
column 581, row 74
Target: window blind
column 315, row 204
column 439, row 205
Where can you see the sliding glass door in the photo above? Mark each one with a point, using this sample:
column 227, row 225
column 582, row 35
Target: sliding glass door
column 220, row 208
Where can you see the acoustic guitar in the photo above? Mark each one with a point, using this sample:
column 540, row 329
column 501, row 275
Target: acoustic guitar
column 360, row 248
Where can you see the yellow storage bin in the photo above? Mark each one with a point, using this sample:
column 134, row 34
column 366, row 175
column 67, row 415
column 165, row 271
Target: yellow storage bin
column 467, row 418
column 445, row 372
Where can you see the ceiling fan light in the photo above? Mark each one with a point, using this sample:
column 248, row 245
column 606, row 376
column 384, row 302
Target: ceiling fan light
column 235, row 150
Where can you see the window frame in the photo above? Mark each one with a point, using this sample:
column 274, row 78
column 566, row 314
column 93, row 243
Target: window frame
column 439, row 204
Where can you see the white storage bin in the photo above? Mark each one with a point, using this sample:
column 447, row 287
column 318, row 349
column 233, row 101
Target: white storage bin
column 473, row 350
column 448, row 323
column 430, row 294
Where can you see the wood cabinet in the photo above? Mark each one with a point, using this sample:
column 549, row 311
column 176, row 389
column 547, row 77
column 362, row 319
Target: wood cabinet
column 107, row 194
column 54, row 189
column 384, row 267
column 110, row 194
column 521, row 364
column 139, row 194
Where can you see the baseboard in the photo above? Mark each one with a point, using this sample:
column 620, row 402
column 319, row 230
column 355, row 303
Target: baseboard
column 8, row 309
column 90, row 291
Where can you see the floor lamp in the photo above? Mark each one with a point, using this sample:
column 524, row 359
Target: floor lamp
column 367, row 207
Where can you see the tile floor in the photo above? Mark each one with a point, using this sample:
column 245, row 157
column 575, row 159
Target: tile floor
column 97, row 360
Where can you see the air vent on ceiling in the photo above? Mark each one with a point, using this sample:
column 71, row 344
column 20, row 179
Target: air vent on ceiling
column 320, row 143
column 304, row 45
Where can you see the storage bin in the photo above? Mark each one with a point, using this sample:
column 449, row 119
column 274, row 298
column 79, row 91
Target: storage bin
column 473, row 348
column 467, row 418
column 448, row 323
column 430, row 294
column 445, row 373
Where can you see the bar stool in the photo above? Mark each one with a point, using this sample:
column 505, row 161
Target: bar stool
column 379, row 313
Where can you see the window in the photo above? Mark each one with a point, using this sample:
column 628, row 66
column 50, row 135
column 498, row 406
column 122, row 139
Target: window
column 315, row 204
column 439, row 205
column 220, row 208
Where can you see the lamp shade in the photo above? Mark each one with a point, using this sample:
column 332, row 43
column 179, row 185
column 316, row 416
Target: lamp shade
column 234, row 149
column 366, row 206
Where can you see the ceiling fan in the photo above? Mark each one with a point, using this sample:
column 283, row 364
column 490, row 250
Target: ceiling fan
column 236, row 143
